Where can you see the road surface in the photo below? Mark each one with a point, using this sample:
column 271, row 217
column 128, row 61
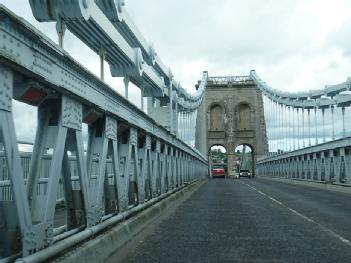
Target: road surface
column 248, row 220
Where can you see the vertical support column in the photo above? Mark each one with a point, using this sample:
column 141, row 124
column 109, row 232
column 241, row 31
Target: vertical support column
column 176, row 178
column 17, row 228
column 59, row 137
column 188, row 130
column 136, row 180
column 183, row 125
column 59, row 128
column 132, row 194
column 60, row 29
column 102, row 65
column 230, row 159
column 97, row 149
column 332, row 115
column 343, row 122
column 146, row 168
column 112, row 151
column 175, row 116
column 156, row 168
column 276, row 122
column 308, row 164
column 170, row 168
column 71, row 119
column 293, row 137
column 142, row 98
column 180, row 174
column 272, row 128
column 184, row 174
column 174, row 168
column 323, row 110
column 298, row 129
column 331, row 166
column 284, row 127
column 317, row 164
column 185, row 120
column 178, row 133
column 171, row 114
column 140, row 175
column 188, row 167
column 166, row 171
column 123, row 147
column 180, row 126
column 126, row 84
column 303, row 127
column 322, row 168
column 342, row 166
column 315, row 125
column 347, row 172
column 163, row 169
column 309, row 126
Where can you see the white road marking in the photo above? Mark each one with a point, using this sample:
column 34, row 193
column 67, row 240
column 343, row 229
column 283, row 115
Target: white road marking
column 325, row 229
column 262, row 193
column 275, row 200
column 301, row 215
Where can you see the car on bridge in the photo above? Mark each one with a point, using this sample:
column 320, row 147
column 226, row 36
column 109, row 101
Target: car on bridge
column 245, row 173
column 218, row 172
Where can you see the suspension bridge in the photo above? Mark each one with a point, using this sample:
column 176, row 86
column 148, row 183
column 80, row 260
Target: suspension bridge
column 80, row 197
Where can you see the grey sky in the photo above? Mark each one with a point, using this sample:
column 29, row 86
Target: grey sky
column 294, row 45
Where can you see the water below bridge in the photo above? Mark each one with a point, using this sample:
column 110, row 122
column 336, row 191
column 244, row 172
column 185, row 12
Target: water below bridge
column 245, row 220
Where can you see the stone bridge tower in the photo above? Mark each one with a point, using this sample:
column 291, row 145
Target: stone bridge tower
column 231, row 114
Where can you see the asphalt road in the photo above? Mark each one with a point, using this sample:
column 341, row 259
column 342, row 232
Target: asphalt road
column 248, row 220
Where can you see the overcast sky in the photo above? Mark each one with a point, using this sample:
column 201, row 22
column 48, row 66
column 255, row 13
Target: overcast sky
column 293, row 45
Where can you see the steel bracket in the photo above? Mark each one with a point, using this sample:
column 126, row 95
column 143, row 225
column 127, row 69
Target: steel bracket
column 37, row 237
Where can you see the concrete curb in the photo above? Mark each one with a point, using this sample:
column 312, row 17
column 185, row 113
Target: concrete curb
column 318, row 185
column 102, row 246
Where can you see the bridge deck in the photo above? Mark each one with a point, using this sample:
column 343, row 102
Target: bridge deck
column 249, row 221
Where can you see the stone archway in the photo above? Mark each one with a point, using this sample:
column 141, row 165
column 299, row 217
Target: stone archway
column 217, row 157
column 230, row 115
column 245, row 158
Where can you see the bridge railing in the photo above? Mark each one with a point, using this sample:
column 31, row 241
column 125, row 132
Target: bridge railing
column 328, row 162
column 5, row 182
column 307, row 132
column 131, row 160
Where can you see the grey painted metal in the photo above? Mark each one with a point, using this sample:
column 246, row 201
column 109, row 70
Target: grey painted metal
column 115, row 38
column 145, row 159
column 127, row 51
column 315, row 98
column 132, row 158
column 328, row 162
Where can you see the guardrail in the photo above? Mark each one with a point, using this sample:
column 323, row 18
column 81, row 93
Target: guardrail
column 328, row 162
column 5, row 182
column 131, row 160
